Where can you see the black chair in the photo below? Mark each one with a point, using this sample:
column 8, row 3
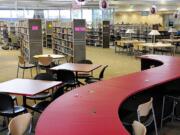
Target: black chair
column 39, row 107
column 84, row 75
column 7, row 107
column 42, row 95
column 101, row 76
column 68, row 78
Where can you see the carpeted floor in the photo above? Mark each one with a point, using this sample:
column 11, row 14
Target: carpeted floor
column 119, row 64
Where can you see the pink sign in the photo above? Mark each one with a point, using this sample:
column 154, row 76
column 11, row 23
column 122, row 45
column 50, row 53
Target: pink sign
column 35, row 28
column 80, row 29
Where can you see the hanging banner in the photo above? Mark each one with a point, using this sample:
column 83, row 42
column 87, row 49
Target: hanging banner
column 80, row 2
column 153, row 9
column 103, row 4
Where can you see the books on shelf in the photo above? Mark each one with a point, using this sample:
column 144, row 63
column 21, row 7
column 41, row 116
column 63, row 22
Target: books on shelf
column 30, row 38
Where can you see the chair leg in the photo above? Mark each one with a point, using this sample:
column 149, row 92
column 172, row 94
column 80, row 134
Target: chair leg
column 31, row 72
column 155, row 125
column 162, row 114
column 172, row 115
column 17, row 71
column 23, row 72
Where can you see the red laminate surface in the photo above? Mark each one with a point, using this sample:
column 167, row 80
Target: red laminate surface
column 77, row 67
column 93, row 109
column 27, row 86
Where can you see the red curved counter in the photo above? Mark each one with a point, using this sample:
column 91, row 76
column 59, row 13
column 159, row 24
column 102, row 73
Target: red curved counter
column 93, row 109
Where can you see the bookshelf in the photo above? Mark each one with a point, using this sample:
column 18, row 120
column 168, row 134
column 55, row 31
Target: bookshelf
column 30, row 36
column 94, row 37
column 69, row 39
column 141, row 31
column 48, row 33
column 99, row 36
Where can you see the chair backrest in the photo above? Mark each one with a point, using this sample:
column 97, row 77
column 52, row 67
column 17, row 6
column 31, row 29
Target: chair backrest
column 6, row 102
column 21, row 60
column 45, row 61
column 44, row 76
column 101, row 74
column 139, row 128
column 145, row 108
column 85, row 61
column 65, row 76
column 20, row 124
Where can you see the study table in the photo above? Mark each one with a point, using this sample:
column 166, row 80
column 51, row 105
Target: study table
column 157, row 45
column 53, row 56
column 27, row 87
column 93, row 108
column 76, row 67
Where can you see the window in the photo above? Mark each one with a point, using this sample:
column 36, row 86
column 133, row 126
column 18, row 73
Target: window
column 53, row 14
column 5, row 13
column 76, row 14
column 28, row 13
column 87, row 14
column 65, row 14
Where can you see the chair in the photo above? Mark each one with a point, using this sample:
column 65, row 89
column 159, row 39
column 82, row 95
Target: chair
column 23, row 65
column 84, row 75
column 39, row 107
column 20, row 124
column 139, row 128
column 42, row 95
column 7, row 107
column 145, row 114
column 45, row 63
column 175, row 100
column 68, row 78
column 101, row 76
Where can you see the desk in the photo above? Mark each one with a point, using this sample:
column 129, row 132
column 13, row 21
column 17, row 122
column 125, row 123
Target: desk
column 53, row 56
column 75, row 67
column 93, row 108
column 27, row 87
column 120, row 43
column 158, row 45
column 172, row 41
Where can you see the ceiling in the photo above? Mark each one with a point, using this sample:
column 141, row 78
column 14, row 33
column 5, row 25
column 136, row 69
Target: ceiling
column 121, row 5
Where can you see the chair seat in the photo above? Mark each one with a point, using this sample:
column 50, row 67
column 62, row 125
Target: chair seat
column 84, row 75
column 92, row 80
column 41, row 106
column 10, row 113
column 27, row 66
column 40, row 96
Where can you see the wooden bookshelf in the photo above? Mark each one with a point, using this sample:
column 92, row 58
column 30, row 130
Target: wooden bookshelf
column 69, row 42
column 30, row 36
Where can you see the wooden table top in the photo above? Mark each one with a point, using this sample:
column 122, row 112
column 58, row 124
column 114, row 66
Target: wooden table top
column 77, row 67
column 93, row 108
column 54, row 56
column 156, row 45
column 170, row 40
column 27, row 87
